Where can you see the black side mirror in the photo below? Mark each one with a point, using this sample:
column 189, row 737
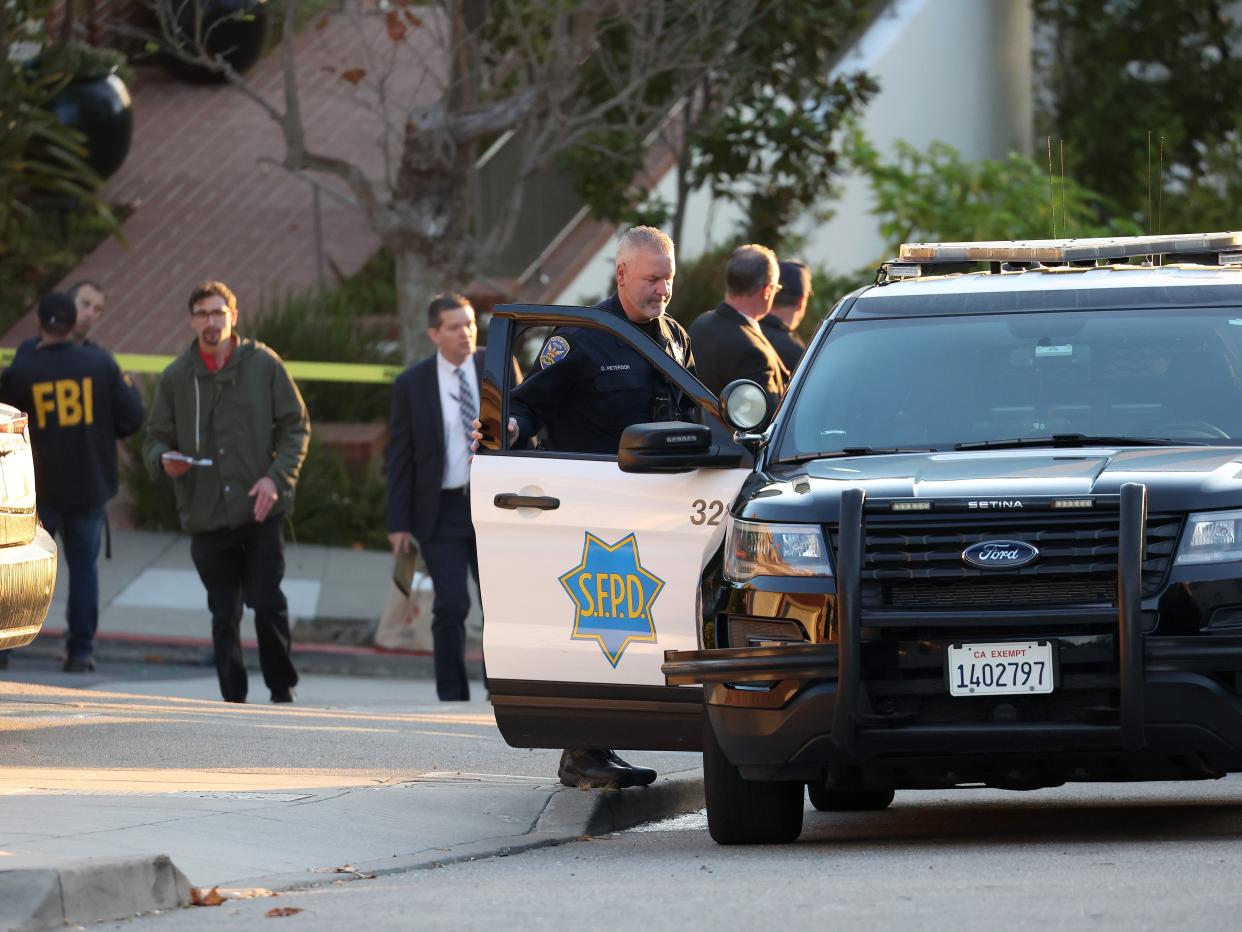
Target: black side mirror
column 666, row 446
column 744, row 405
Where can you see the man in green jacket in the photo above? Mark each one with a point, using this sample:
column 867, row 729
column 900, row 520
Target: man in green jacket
column 230, row 429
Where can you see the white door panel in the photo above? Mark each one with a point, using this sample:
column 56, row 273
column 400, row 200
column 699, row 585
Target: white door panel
column 568, row 594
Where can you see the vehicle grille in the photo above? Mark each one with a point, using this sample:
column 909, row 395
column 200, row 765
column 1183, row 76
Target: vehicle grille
column 983, row 593
column 912, row 562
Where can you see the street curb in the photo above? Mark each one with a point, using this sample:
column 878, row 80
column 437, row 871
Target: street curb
column 92, row 890
column 568, row 815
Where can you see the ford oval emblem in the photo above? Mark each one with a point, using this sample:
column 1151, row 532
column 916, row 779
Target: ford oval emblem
column 1000, row 554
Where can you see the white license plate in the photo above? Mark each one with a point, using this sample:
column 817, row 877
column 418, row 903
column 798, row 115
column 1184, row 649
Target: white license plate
column 1001, row 669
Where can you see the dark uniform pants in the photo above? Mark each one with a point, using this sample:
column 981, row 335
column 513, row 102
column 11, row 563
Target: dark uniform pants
column 450, row 554
column 80, row 531
column 246, row 564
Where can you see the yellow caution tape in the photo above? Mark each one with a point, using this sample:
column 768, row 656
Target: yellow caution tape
column 305, row 371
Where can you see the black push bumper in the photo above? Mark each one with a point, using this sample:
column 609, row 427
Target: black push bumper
column 791, row 711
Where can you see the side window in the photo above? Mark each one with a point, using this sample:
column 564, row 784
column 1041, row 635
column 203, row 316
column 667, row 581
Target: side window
column 580, row 388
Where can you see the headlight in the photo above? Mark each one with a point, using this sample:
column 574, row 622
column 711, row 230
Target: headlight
column 1212, row 537
column 755, row 549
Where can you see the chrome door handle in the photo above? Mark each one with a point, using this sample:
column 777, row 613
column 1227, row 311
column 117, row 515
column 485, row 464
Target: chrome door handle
column 513, row 500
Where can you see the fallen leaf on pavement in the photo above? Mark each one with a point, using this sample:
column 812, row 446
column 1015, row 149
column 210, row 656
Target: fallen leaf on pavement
column 200, row 897
column 278, row 911
column 247, row 893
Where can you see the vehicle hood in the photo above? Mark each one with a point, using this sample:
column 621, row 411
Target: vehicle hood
column 1177, row 478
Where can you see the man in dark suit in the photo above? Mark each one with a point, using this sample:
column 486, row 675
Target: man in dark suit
column 428, row 461
column 780, row 325
column 728, row 343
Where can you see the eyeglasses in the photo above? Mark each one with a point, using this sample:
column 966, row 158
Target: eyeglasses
column 219, row 312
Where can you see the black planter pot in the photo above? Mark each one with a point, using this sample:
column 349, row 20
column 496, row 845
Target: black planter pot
column 100, row 108
column 236, row 30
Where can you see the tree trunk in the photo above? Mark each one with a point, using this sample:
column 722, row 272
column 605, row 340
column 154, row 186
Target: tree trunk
column 431, row 246
column 415, row 289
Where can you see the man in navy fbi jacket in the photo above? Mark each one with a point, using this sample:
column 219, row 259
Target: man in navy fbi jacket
column 79, row 404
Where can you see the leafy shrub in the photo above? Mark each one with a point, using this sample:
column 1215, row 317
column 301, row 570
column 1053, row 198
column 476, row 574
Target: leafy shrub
column 50, row 209
column 334, row 509
column 152, row 504
column 351, row 323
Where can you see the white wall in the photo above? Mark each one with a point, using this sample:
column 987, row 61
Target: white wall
column 956, row 71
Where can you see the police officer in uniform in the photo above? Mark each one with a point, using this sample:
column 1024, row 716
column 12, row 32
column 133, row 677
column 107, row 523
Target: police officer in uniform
column 79, row 404
column 728, row 340
column 589, row 387
column 780, row 325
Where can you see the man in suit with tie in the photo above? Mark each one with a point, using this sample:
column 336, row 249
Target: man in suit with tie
column 428, row 461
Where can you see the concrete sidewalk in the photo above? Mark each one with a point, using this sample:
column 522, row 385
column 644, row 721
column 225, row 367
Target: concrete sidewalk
column 153, row 608
column 160, row 785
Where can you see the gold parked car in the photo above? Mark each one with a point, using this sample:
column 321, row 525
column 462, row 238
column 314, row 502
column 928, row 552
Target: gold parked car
column 27, row 552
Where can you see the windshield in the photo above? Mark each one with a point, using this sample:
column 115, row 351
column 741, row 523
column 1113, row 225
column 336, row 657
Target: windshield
column 938, row 382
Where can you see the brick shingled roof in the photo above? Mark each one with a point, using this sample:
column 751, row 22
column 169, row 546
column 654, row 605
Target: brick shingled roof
column 208, row 208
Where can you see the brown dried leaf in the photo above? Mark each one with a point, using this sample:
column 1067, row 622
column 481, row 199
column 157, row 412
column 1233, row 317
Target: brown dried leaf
column 354, row 75
column 277, row 911
column 322, row 24
column 396, row 28
column 200, row 897
column 413, row 20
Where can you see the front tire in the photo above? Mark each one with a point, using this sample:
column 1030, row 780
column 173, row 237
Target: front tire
column 747, row 812
column 848, row 800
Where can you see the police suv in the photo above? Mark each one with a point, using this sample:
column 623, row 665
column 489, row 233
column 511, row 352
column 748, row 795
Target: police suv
column 992, row 537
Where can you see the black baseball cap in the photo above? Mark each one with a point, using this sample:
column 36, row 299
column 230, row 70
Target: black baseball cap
column 795, row 281
column 57, row 312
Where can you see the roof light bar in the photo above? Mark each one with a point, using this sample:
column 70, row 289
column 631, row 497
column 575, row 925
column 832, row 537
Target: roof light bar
column 1069, row 250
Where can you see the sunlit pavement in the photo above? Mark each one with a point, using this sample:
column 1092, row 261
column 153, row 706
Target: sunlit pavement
column 358, row 770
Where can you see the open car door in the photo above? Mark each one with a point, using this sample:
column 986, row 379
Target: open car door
column 589, row 574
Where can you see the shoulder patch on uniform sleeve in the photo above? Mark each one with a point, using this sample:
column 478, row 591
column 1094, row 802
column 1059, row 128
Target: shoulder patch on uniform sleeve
column 556, row 349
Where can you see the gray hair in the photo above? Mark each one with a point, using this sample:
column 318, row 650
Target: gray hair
column 750, row 269
column 639, row 238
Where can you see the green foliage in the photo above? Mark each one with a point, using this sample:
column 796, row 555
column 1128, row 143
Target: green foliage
column 760, row 129
column 153, row 506
column 336, row 510
column 49, row 205
column 766, row 133
column 76, row 59
column 936, row 195
column 351, row 323
column 1207, row 199
column 699, row 285
column 1115, row 72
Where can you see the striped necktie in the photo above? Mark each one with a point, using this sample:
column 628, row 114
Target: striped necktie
column 465, row 401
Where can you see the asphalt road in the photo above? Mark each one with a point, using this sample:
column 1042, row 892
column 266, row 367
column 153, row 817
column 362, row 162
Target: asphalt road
column 1147, row 856
column 151, row 715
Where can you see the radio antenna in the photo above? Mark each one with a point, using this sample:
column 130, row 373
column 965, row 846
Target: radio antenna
column 1149, row 182
column 1160, row 188
column 1052, row 194
column 1064, row 212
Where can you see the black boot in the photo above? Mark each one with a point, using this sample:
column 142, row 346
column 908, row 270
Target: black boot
column 642, row 776
column 593, row 770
